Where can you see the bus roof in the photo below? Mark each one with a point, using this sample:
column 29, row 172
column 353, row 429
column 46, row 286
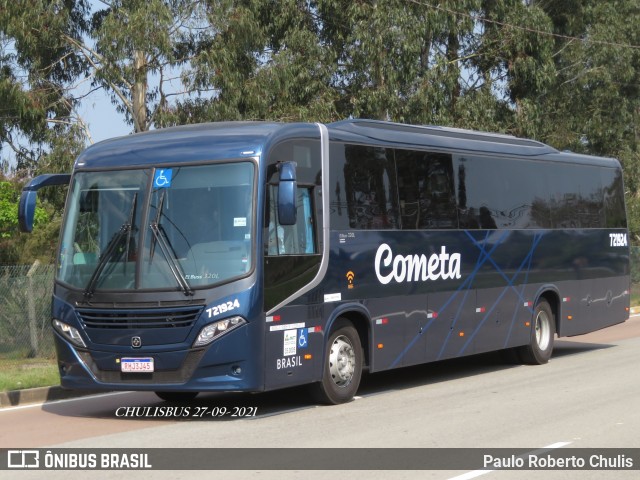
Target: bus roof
column 189, row 143
column 223, row 140
column 376, row 132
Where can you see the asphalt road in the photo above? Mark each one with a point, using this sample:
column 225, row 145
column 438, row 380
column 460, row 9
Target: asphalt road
column 586, row 397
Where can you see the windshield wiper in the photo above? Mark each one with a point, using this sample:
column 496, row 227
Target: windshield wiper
column 156, row 221
column 170, row 255
column 113, row 244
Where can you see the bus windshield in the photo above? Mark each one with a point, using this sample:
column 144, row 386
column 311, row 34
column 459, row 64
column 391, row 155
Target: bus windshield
column 192, row 227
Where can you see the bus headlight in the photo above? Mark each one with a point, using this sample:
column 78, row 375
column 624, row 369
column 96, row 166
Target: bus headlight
column 70, row 333
column 216, row 329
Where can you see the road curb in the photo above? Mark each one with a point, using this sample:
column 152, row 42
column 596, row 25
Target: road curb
column 27, row 396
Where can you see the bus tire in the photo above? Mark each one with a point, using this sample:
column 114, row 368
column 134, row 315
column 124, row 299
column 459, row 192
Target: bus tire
column 177, row 396
column 342, row 369
column 543, row 330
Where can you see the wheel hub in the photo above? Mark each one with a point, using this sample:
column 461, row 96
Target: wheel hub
column 342, row 360
column 542, row 330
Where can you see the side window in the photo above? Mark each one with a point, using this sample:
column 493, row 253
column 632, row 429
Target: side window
column 363, row 188
column 426, row 191
column 576, row 198
column 613, row 201
column 298, row 239
column 501, row 193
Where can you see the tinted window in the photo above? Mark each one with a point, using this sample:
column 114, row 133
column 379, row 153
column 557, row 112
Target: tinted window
column 613, row 198
column 363, row 188
column 575, row 196
column 426, row 191
column 377, row 188
column 510, row 193
column 501, row 193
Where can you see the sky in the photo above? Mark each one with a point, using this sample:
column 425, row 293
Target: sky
column 102, row 118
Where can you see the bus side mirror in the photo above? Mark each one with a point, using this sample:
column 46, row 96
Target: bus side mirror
column 27, row 205
column 287, row 189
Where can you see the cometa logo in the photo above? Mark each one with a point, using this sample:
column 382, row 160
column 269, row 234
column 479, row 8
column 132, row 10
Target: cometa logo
column 415, row 268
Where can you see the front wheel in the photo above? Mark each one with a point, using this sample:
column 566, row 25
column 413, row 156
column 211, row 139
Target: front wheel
column 543, row 331
column 342, row 365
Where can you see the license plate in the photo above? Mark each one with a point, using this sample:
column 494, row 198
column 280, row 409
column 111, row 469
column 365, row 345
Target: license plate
column 136, row 365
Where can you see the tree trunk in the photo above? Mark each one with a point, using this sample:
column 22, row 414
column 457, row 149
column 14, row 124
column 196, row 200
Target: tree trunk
column 139, row 92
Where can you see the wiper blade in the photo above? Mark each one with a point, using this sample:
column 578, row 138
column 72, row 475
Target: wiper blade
column 170, row 255
column 132, row 227
column 113, row 244
column 156, row 221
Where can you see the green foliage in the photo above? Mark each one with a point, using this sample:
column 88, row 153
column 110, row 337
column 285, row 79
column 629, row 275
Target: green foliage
column 37, row 63
column 13, row 245
column 566, row 73
column 135, row 39
column 8, row 210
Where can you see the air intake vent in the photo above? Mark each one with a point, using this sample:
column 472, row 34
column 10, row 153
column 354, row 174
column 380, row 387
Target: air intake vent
column 140, row 318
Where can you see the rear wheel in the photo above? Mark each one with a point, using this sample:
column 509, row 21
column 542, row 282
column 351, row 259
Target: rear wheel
column 343, row 365
column 177, row 396
column 542, row 334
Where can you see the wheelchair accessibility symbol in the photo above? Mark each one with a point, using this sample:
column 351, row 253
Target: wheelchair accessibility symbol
column 162, row 178
column 303, row 338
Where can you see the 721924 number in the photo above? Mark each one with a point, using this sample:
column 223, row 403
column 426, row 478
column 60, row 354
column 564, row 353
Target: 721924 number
column 223, row 308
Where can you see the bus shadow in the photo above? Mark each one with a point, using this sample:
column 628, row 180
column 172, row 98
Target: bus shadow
column 458, row 368
column 145, row 406
column 433, row 373
column 572, row 347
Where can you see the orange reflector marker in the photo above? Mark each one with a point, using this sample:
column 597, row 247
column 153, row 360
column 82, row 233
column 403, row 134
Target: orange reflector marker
column 569, row 317
column 308, row 356
column 461, row 334
column 380, row 346
column 527, row 324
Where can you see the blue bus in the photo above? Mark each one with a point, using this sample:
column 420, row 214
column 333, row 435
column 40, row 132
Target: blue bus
column 255, row 256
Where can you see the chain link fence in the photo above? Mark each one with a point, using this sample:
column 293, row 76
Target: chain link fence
column 25, row 312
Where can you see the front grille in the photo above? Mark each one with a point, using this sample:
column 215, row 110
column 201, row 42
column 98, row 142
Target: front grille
column 181, row 375
column 176, row 317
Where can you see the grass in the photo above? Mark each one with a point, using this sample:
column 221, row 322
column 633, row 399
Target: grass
column 28, row 373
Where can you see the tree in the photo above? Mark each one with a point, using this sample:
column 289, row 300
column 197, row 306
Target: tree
column 261, row 60
column 137, row 51
column 593, row 106
column 37, row 65
column 566, row 73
